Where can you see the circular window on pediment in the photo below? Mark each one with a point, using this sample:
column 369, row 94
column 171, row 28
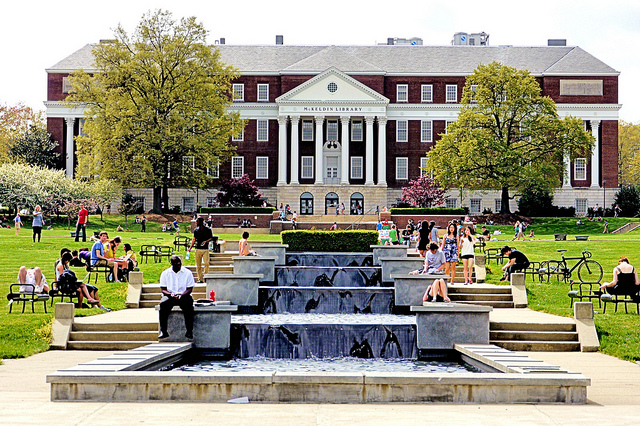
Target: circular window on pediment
column 332, row 87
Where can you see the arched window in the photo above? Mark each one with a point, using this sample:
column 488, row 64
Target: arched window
column 306, row 203
column 356, row 206
column 331, row 203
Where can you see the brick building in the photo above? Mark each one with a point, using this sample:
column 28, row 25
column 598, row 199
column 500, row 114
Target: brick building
column 353, row 124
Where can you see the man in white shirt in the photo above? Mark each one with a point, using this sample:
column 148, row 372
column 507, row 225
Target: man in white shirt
column 176, row 284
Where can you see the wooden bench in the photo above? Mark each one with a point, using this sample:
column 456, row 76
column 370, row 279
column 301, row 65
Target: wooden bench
column 579, row 290
column 615, row 299
column 582, row 238
column 15, row 296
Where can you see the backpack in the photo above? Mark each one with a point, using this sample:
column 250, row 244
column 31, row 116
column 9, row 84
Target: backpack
column 67, row 282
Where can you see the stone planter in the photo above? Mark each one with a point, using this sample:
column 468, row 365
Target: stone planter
column 442, row 325
column 409, row 289
column 399, row 265
column 264, row 265
column 239, row 289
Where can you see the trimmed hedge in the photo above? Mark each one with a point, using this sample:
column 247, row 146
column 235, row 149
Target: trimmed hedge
column 356, row 241
column 429, row 211
column 239, row 210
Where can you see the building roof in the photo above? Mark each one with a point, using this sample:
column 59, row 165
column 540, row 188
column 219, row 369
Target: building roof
column 384, row 59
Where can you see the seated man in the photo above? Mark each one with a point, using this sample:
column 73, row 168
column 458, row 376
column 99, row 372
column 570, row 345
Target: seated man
column 176, row 284
column 97, row 253
column 485, row 234
column 406, row 235
column 35, row 277
column 517, row 262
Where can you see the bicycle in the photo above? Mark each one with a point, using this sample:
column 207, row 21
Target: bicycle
column 589, row 271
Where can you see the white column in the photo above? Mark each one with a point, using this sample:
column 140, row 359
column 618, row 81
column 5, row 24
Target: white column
column 595, row 155
column 382, row 150
column 344, row 179
column 69, row 141
column 282, row 150
column 294, row 148
column 369, row 151
column 319, row 144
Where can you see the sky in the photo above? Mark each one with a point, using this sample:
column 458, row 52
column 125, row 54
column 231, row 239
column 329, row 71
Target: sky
column 36, row 34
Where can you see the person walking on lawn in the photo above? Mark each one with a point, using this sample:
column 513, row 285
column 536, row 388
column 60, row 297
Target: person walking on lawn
column 201, row 238
column 83, row 215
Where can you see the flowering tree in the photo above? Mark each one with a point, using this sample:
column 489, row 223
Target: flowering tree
column 423, row 192
column 239, row 192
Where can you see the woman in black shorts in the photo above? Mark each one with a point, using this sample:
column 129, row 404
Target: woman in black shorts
column 625, row 280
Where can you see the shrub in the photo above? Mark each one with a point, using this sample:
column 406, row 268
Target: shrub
column 240, row 210
column 535, row 201
column 628, row 199
column 330, row 241
column 429, row 211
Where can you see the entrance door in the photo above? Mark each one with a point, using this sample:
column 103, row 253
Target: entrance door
column 332, row 176
column 331, row 203
column 306, row 203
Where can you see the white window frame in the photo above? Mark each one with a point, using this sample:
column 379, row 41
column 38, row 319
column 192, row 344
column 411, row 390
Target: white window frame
column 306, row 170
column 423, row 166
column 580, row 169
column 262, row 134
column 451, row 203
column 66, row 85
column 582, row 206
column 426, row 93
column 497, row 205
column 473, row 88
column 356, row 168
column 426, row 131
column 475, row 202
column 238, row 92
column 192, row 202
column 402, row 93
column 188, row 161
column 402, row 164
column 446, row 126
column 263, row 92
column 239, row 138
column 262, row 170
column 332, row 130
column 402, row 130
column 237, row 164
column 213, row 170
column 357, row 126
column 212, row 201
column 307, row 125
column 452, row 93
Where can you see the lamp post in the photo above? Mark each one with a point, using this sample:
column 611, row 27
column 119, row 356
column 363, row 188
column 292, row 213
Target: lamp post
column 604, row 197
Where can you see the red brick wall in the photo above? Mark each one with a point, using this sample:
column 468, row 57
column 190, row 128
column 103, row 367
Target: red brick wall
column 609, row 132
column 54, row 87
column 551, row 88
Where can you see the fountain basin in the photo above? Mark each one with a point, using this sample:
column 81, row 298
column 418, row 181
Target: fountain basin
column 512, row 378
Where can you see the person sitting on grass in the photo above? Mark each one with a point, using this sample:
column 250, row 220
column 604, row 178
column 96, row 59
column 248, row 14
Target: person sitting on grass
column 625, row 280
column 517, row 262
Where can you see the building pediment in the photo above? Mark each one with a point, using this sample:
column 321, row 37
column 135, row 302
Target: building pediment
column 332, row 87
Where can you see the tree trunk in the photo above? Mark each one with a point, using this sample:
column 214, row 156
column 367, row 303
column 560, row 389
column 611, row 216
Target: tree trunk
column 157, row 199
column 165, row 197
column 504, row 208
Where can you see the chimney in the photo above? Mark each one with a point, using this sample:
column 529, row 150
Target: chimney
column 279, row 39
column 222, row 40
column 557, row 42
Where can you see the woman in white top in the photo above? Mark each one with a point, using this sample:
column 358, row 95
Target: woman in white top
column 467, row 255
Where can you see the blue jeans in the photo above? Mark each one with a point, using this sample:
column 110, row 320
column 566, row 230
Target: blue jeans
column 84, row 232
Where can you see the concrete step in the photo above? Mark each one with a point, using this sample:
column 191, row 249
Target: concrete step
column 113, row 336
column 480, row 289
column 157, row 296
column 537, row 336
column 155, row 288
column 147, row 326
column 470, row 297
column 108, row 346
column 493, row 304
column 537, row 346
column 520, row 326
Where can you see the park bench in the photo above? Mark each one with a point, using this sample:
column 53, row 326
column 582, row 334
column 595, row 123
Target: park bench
column 481, row 245
column 580, row 290
column 623, row 298
column 147, row 251
column 163, row 251
column 582, row 238
column 495, row 254
column 533, row 270
column 55, row 292
column 16, row 296
column 97, row 270
column 180, row 241
column 560, row 237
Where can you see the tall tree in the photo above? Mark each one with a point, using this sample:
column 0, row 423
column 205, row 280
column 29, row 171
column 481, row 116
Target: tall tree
column 507, row 135
column 36, row 147
column 628, row 160
column 15, row 121
column 158, row 97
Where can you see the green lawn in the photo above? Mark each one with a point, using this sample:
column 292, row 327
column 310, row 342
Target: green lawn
column 23, row 335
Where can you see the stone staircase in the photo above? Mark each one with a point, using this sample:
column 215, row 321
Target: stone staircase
column 496, row 296
column 547, row 337
column 627, row 227
column 112, row 336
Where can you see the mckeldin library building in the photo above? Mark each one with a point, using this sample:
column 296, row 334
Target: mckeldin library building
column 327, row 125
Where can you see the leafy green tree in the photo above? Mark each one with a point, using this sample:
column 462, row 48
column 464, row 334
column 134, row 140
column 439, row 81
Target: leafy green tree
column 15, row 121
column 36, row 147
column 628, row 147
column 535, row 201
column 507, row 136
column 128, row 206
column 157, row 96
column 103, row 192
column 239, row 192
column 628, row 199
